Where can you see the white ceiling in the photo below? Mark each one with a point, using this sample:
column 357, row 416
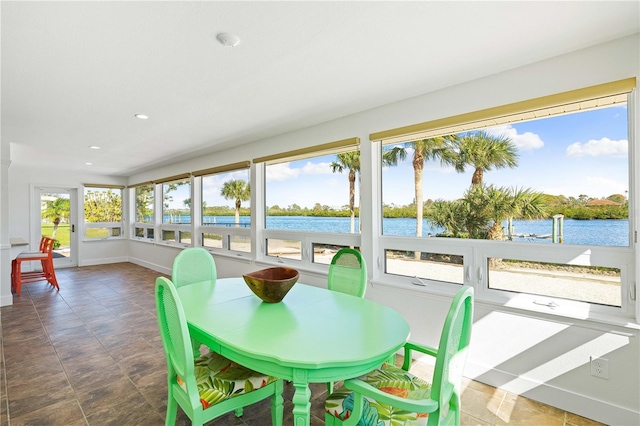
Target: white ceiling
column 75, row 73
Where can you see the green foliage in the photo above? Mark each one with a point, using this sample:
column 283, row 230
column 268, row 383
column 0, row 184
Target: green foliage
column 102, row 206
column 59, row 208
column 238, row 190
column 144, row 203
column 480, row 212
column 63, row 234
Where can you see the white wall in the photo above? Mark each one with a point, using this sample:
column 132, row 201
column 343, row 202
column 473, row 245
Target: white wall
column 539, row 356
column 21, row 214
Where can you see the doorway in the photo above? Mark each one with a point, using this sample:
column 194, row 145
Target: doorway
column 57, row 218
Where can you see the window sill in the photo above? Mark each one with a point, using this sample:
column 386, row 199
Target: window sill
column 91, row 240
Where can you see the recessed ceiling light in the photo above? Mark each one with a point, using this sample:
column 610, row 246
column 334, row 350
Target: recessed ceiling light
column 94, row 147
column 89, row 164
column 228, row 39
column 142, row 116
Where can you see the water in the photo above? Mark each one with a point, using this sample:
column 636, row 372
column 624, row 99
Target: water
column 601, row 232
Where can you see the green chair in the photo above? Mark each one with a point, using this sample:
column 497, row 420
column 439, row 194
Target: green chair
column 391, row 395
column 348, row 272
column 192, row 265
column 211, row 385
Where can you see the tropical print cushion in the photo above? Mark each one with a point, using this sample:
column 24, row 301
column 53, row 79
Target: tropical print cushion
column 389, row 379
column 219, row 378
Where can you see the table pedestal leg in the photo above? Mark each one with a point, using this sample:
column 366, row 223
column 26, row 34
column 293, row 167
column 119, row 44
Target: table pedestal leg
column 301, row 399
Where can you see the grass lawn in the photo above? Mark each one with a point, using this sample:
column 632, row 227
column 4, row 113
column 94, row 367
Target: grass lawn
column 63, row 234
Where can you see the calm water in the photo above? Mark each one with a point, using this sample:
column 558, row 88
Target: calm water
column 584, row 232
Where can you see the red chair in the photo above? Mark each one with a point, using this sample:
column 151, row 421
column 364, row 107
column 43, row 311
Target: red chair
column 45, row 256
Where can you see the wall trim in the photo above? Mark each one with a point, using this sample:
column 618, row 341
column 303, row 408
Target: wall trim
column 149, row 265
column 105, row 261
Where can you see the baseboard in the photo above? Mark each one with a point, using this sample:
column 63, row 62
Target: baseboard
column 149, row 265
column 585, row 406
column 93, row 262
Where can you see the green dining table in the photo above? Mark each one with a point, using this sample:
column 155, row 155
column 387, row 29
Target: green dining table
column 313, row 336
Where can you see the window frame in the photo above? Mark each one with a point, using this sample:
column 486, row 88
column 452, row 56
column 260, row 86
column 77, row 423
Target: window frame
column 110, row 226
column 227, row 232
column 148, row 227
column 307, row 238
column 161, row 227
column 477, row 252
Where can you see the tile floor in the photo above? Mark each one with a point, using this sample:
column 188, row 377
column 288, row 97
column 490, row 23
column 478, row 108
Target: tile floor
column 91, row 354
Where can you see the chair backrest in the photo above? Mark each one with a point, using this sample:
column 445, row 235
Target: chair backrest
column 43, row 241
column 348, row 272
column 453, row 348
column 46, row 246
column 175, row 337
column 193, row 265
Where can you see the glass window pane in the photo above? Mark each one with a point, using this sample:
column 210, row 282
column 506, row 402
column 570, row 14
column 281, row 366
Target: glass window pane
column 176, row 202
column 318, row 194
column 145, row 203
column 599, row 285
column 139, row 232
column 323, row 253
column 481, row 184
column 240, row 243
column 431, row 266
column 92, row 233
column 212, row 240
column 291, row 249
column 226, row 199
column 185, row 237
column 168, row 235
column 150, row 233
column 102, row 205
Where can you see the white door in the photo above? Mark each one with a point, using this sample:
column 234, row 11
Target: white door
column 56, row 217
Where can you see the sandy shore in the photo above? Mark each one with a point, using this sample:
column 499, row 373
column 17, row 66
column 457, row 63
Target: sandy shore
column 581, row 286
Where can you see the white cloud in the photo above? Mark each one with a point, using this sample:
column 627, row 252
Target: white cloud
column 593, row 186
column 604, row 147
column 317, row 169
column 524, row 141
column 281, row 171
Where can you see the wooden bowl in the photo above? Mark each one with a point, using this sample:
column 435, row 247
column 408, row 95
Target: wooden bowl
column 271, row 284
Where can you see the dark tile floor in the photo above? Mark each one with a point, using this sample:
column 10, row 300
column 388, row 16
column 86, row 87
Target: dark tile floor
column 91, row 354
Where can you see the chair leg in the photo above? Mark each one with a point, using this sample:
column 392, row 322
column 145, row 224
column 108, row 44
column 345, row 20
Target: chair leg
column 15, row 279
column 172, row 412
column 51, row 277
column 329, row 388
column 13, row 274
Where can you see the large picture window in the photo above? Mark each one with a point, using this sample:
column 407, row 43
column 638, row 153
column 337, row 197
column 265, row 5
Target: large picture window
column 536, row 176
column 176, row 210
column 102, row 212
column 226, row 208
column 144, row 211
column 312, row 201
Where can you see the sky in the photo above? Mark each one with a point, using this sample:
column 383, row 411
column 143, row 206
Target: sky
column 584, row 153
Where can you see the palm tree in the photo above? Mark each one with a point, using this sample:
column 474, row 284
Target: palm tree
column 55, row 210
column 351, row 161
column 484, row 152
column 238, row 190
column 440, row 147
column 483, row 208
